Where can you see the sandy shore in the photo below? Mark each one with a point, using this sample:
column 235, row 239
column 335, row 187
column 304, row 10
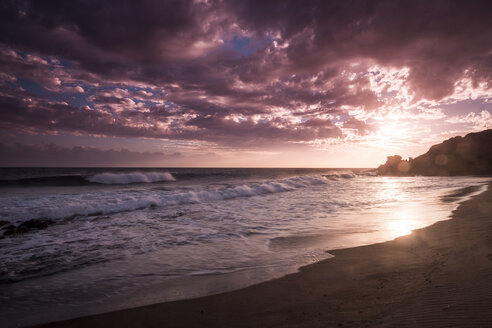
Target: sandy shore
column 439, row 276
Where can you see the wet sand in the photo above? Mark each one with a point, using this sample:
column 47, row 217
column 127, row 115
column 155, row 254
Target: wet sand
column 439, row 276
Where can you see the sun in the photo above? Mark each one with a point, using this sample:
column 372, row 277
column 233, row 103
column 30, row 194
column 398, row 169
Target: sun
column 391, row 130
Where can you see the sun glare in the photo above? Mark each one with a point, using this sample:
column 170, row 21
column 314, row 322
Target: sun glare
column 400, row 228
column 390, row 130
column 401, row 222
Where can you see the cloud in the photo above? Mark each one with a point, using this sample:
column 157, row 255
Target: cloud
column 173, row 69
column 76, row 89
column 20, row 154
column 79, row 89
column 357, row 125
column 30, row 67
column 479, row 121
column 31, row 115
column 52, row 155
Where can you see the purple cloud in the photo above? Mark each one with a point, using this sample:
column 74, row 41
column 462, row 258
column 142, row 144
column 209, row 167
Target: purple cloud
column 176, row 70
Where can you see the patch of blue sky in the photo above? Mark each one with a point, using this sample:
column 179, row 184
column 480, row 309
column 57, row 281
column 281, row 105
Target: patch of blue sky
column 10, row 84
column 73, row 99
column 147, row 103
column 245, row 46
column 81, row 99
column 466, row 106
column 341, row 118
column 240, row 44
column 135, row 89
column 33, row 87
column 66, row 63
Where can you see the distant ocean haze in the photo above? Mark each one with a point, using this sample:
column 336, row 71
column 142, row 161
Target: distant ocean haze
column 117, row 238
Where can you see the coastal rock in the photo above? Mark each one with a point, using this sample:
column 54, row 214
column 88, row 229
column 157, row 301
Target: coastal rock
column 33, row 224
column 394, row 166
column 469, row 155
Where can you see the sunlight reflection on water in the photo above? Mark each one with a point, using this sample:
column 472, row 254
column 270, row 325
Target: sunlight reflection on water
column 406, row 215
column 192, row 249
column 400, row 228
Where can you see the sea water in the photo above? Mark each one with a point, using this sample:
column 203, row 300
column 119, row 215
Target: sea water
column 119, row 238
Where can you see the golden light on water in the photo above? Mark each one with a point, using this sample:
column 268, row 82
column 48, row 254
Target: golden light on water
column 388, row 190
column 403, row 223
column 402, row 217
column 399, row 228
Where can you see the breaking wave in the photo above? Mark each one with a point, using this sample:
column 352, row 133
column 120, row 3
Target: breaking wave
column 341, row 175
column 79, row 180
column 66, row 206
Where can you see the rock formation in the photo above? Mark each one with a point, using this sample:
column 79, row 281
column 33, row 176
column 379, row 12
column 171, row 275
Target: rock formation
column 469, row 155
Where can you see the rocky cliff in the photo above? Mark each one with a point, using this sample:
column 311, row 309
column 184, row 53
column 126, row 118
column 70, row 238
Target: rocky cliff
column 469, row 155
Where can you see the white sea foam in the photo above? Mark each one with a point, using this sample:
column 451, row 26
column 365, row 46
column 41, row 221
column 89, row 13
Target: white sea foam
column 218, row 225
column 341, row 175
column 64, row 206
column 60, row 206
column 133, row 177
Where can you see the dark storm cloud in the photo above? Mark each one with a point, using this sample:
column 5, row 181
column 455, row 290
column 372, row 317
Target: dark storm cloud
column 436, row 39
column 309, row 61
column 102, row 35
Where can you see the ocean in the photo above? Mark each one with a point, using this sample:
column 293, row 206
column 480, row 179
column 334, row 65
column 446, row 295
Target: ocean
column 79, row 241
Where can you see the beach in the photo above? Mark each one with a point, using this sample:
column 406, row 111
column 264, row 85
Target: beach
column 85, row 241
column 440, row 275
column 245, row 163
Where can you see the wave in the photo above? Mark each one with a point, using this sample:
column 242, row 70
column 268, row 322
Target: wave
column 336, row 176
column 87, row 204
column 79, row 180
column 132, row 177
column 347, row 174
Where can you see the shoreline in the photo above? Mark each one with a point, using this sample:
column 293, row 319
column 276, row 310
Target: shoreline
column 440, row 275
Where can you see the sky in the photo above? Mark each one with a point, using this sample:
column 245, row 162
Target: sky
column 239, row 83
